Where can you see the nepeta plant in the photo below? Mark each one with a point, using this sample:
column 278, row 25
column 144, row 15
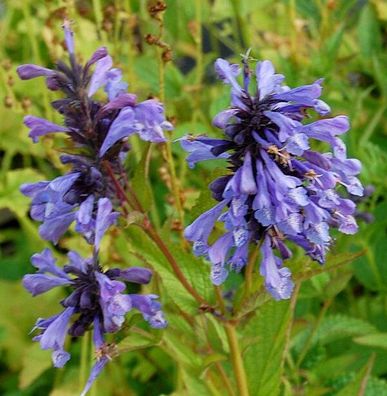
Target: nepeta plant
column 278, row 189
column 87, row 195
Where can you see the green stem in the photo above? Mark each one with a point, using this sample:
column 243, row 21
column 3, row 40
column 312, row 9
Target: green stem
column 98, row 18
column 168, row 147
column 237, row 362
column 6, row 164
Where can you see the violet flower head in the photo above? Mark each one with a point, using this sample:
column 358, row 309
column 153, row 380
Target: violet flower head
column 97, row 300
column 278, row 189
column 97, row 132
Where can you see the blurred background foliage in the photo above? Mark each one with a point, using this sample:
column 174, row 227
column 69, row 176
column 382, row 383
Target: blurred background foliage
column 331, row 338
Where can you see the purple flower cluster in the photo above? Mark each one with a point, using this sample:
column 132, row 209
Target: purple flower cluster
column 278, row 188
column 97, row 131
column 87, row 195
column 97, row 300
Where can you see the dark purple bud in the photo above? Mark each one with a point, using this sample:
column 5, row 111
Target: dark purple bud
column 136, row 275
column 26, row 72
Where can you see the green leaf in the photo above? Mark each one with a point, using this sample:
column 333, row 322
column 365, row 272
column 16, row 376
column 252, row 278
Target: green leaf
column 16, row 322
column 194, row 385
column 369, row 32
column 10, row 195
column 358, row 385
column 141, row 246
column 69, row 383
column 337, row 283
column 376, row 387
column 371, row 268
column 196, row 271
column 327, row 368
column 139, row 339
column 333, row 328
column 263, row 355
column 182, row 351
column 377, row 340
column 35, row 362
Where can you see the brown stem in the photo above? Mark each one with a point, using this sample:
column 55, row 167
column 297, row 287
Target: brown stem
column 120, row 192
column 152, row 233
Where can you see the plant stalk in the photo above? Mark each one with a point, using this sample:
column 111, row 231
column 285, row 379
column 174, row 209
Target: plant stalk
column 237, row 362
column 153, row 234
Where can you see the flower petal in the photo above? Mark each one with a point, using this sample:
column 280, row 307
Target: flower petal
column 122, row 126
column 40, row 283
column 99, row 78
column 29, row 71
column 41, row 127
column 105, row 218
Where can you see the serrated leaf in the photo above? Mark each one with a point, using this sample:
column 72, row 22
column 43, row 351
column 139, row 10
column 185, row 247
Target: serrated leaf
column 267, row 332
column 196, row 271
column 141, row 246
column 333, row 328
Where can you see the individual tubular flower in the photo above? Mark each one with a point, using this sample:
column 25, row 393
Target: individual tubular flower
column 97, row 131
column 97, row 301
column 278, row 189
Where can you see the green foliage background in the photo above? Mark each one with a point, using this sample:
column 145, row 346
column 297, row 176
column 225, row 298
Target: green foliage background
column 331, row 338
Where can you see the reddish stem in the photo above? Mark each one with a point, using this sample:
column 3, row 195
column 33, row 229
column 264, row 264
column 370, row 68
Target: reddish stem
column 152, row 233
